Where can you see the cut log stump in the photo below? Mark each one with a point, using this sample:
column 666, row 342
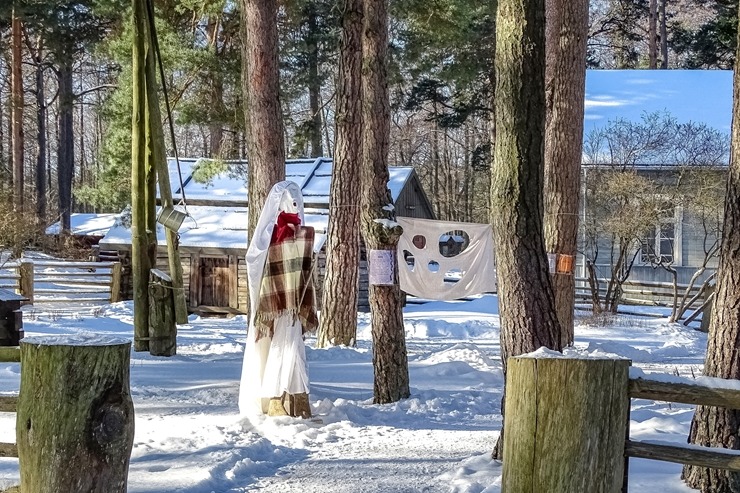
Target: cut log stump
column 565, row 425
column 75, row 418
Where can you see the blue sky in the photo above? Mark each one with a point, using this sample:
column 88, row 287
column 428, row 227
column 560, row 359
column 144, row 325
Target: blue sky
column 703, row 96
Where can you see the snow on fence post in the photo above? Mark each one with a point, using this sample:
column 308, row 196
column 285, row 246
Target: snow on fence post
column 75, row 417
column 162, row 326
column 565, row 421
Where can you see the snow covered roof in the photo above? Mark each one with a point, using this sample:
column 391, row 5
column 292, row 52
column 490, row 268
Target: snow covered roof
column 312, row 175
column 700, row 96
column 224, row 226
column 86, row 224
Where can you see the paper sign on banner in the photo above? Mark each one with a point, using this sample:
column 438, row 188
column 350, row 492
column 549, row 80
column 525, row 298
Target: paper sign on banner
column 380, row 268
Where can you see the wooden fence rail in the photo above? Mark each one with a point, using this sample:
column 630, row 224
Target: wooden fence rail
column 567, row 420
column 705, row 392
column 641, row 292
column 63, row 282
column 9, row 404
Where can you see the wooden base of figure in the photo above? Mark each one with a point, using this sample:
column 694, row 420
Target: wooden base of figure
column 295, row 405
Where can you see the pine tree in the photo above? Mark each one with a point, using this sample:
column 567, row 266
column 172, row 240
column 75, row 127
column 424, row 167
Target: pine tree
column 526, row 300
column 565, row 87
column 390, row 362
column 338, row 324
column 715, row 426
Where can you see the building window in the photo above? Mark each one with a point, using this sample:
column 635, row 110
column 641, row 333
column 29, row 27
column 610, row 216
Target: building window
column 662, row 242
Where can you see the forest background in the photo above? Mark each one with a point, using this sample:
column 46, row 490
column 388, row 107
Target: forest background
column 73, row 99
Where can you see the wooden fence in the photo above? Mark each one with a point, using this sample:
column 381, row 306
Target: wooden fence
column 9, row 404
column 707, row 392
column 567, row 423
column 640, row 292
column 59, row 282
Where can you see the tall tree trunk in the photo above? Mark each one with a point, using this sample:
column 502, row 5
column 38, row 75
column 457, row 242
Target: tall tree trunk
column 653, row 35
column 216, row 94
column 663, row 36
column 261, row 91
column 66, row 148
column 338, row 323
column 41, row 142
column 314, row 82
column 565, row 86
column 16, row 82
column 716, row 426
column 390, row 362
column 526, row 299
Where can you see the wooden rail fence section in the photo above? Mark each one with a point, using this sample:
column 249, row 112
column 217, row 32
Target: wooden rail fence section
column 641, row 292
column 58, row 282
column 9, row 404
column 566, row 423
column 707, row 392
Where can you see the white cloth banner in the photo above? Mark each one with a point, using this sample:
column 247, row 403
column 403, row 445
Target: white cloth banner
column 424, row 276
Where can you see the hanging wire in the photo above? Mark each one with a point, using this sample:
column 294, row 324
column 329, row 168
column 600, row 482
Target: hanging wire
column 155, row 44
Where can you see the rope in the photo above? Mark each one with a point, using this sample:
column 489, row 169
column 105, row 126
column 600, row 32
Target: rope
column 155, row 44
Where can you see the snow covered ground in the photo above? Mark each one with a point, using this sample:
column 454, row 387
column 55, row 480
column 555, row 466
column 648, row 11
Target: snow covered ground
column 190, row 438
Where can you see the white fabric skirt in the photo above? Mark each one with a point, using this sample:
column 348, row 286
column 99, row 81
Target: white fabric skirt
column 273, row 366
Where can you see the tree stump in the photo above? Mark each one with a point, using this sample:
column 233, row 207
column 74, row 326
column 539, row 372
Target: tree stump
column 566, row 423
column 162, row 326
column 75, row 417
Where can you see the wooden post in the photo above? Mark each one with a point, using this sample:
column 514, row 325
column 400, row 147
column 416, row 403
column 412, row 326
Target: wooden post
column 565, row 425
column 115, row 282
column 141, row 244
column 25, row 271
column 75, row 421
column 162, row 327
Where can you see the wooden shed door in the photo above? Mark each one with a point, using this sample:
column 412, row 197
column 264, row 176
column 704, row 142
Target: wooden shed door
column 214, row 281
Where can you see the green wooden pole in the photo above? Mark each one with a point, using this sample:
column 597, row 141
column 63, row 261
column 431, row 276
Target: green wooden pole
column 159, row 161
column 140, row 264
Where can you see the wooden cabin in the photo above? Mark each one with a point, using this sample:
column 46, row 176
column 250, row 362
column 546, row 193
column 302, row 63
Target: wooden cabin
column 213, row 238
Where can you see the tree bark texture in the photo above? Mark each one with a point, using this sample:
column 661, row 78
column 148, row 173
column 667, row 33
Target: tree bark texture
column 565, row 87
column 390, row 362
column 263, row 114
column 75, row 421
column 40, row 170
column 526, row 299
column 338, row 323
column 16, row 83
column 528, row 319
column 713, row 426
column 314, row 81
column 653, row 35
column 565, row 425
column 66, row 144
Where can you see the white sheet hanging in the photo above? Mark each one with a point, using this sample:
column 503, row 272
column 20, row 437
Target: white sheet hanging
column 475, row 265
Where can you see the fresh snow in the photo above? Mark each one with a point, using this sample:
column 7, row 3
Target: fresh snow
column 190, row 438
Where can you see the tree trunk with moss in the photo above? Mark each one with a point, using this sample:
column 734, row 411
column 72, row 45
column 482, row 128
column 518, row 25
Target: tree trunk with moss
column 390, row 361
column 715, row 426
column 75, row 421
column 526, row 300
column 338, row 324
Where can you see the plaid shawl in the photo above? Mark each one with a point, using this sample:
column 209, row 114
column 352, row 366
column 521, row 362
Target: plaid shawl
column 287, row 284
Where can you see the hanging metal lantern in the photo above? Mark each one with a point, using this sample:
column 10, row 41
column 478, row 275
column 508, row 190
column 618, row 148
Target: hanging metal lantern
column 171, row 218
